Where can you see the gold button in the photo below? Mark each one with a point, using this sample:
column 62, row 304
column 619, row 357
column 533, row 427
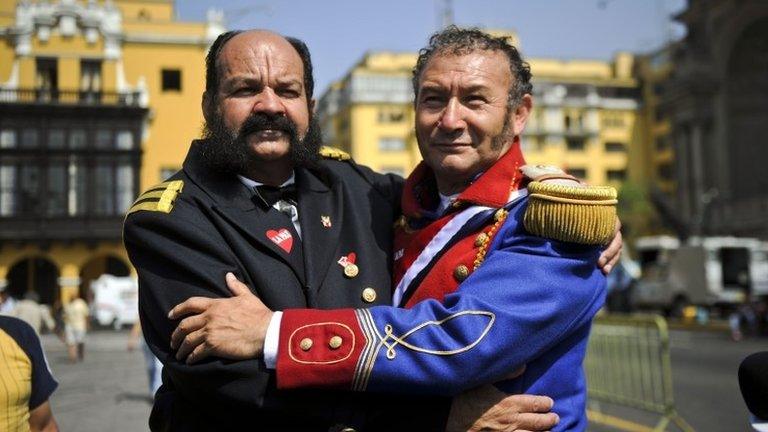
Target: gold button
column 460, row 272
column 481, row 239
column 335, row 342
column 499, row 215
column 369, row 295
column 351, row 270
column 305, row 344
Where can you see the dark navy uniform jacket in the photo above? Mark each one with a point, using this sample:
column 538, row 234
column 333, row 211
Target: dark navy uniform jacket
column 183, row 242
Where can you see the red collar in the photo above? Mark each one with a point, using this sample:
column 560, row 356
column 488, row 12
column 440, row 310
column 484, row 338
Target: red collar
column 490, row 189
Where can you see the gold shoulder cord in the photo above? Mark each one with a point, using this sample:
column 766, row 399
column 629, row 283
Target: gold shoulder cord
column 575, row 214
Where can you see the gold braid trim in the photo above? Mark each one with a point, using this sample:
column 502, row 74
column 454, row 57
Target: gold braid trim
column 501, row 216
column 575, row 214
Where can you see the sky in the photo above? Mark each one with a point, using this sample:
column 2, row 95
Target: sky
column 339, row 32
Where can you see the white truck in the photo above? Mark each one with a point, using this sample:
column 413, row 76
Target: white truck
column 115, row 301
column 717, row 272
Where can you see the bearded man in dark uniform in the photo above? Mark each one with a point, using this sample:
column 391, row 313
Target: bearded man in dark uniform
column 254, row 199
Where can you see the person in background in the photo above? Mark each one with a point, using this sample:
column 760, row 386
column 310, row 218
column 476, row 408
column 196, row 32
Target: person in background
column 27, row 380
column 76, row 315
column 34, row 313
column 154, row 367
column 7, row 303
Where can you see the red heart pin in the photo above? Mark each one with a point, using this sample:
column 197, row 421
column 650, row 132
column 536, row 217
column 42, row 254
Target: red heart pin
column 347, row 260
column 282, row 238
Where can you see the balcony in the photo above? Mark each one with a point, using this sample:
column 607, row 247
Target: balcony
column 69, row 97
column 69, row 164
column 20, row 229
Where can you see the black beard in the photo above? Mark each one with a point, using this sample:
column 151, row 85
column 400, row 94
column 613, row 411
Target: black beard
column 225, row 152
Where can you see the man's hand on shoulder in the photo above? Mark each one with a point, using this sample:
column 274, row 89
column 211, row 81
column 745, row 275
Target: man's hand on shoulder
column 612, row 252
column 232, row 328
column 488, row 409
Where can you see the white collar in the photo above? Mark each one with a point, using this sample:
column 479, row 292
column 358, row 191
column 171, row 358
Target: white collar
column 253, row 183
column 445, row 202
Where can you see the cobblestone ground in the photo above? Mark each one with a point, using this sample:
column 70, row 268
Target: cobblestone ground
column 106, row 392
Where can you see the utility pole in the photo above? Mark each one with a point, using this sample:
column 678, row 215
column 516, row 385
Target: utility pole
column 446, row 14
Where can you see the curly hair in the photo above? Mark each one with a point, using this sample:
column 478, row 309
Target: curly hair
column 461, row 41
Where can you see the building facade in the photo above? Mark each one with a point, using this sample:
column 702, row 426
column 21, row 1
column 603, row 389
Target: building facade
column 585, row 115
column 716, row 100
column 98, row 100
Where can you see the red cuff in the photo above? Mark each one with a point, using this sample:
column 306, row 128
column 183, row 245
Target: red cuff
column 318, row 348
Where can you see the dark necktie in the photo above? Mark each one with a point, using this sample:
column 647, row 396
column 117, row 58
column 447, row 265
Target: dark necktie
column 272, row 194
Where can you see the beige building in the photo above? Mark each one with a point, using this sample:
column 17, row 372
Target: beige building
column 98, row 100
column 585, row 116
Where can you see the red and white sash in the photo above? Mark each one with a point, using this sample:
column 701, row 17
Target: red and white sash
column 439, row 242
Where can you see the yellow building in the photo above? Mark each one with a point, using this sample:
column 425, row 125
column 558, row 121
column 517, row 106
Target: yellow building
column 584, row 118
column 98, row 100
column 655, row 165
column 369, row 113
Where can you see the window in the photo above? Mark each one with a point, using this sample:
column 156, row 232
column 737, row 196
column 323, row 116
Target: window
column 167, row 172
column 114, row 182
column 616, row 175
column 77, row 139
column 29, row 139
column 615, row 147
column 104, row 139
column 665, row 171
column 393, row 170
column 124, row 140
column 391, row 115
column 76, row 196
column 171, row 79
column 7, row 190
column 579, row 173
column 124, row 192
column 391, row 144
column 47, row 79
column 90, row 80
column 575, row 144
column 29, row 190
column 56, row 198
column 105, row 184
column 662, row 143
column 7, row 138
column 56, row 139
column 613, row 121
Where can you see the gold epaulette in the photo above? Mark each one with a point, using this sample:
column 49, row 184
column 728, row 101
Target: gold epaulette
column 159, row 198
column 334, row 153
column 571, row 213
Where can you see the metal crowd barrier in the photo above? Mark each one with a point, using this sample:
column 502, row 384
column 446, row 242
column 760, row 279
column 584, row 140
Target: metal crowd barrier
column 628, row 364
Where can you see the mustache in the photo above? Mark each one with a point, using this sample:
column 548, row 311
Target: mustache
column 261, row 121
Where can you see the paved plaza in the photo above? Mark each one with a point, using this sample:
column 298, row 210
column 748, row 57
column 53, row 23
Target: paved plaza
column 106, row 392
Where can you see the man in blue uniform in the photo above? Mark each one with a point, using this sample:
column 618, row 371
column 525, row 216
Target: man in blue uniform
column 504, row 257
column 254, row 199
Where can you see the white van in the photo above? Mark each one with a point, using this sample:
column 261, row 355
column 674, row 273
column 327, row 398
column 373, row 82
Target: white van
column 705, row 271
column 115, row 301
